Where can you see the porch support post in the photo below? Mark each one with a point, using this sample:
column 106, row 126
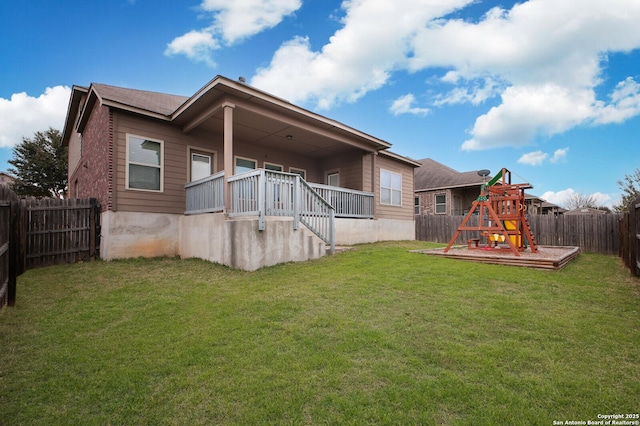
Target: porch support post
column 228, row 152
column 374, row 184
column 297, row 197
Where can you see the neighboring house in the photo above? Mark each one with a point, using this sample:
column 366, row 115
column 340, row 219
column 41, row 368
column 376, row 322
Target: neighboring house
column 442, row 190
column 6, row 179
column 585, row 211
column 231, row 174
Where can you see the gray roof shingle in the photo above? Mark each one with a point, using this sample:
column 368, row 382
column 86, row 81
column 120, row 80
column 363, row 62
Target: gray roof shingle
column 159, row 103
column 434, row 175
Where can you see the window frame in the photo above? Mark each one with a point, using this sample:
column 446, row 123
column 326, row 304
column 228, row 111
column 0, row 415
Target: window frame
column 275, row 167
column 238, row 157
column 391, row 189
column 160, row 166
column 436, row 204
column 416, row 205
column 301, row 172
column 331, row 173
column 200, row 151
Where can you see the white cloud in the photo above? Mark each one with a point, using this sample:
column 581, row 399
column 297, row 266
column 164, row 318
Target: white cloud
column 625, row 103
column 404, row 105
column 23, row 115
column 559, row 155
column 544, row 58
column 536, row 158
column 233, row 21
column 236, row 20
column 195, row 45
column 533, row 158
column 374, row 41
column 560, row 198
column 476, row 94
column 563, row 197
column 529, row 111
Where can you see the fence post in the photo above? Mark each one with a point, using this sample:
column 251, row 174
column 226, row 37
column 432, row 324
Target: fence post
column 16, row 251
column 92, row 228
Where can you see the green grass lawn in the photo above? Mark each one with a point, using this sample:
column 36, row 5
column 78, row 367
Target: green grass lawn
column 377, row 335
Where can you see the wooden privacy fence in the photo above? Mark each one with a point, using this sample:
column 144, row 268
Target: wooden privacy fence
column 60, row 231
column 592, row 233
column 630, row 237
column 10, row 248
column 43, row 232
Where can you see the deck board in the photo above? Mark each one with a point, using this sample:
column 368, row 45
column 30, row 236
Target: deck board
column 548, row 257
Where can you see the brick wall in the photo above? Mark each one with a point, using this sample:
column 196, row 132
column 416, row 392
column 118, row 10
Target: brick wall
column 93, row 175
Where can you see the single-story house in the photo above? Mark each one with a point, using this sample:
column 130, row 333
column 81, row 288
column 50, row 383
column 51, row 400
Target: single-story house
column 230, row 174
column 440, row 189
column 586, row 211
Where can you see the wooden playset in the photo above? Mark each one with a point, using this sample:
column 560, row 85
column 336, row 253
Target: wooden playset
column 501, row 212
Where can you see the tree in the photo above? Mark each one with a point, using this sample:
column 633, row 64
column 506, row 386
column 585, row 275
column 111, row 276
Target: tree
column 40, row 165
column 630, row 187
column 578, row 200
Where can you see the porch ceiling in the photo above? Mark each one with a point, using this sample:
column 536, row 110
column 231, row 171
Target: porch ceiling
column 264, row 120
column 258, row 130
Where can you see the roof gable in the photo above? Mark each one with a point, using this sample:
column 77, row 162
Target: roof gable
column 434, row 175
column 154, row 102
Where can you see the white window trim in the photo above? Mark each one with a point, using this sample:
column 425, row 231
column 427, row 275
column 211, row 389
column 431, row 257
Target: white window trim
column 301, row 172
column 161, row 166
column 202, row 151
column 391, row 189
column 267, row 163
column 238, row 157
column 330, row 173
column 436, row 204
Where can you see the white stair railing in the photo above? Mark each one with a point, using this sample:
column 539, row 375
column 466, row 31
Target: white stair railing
column 269, row 193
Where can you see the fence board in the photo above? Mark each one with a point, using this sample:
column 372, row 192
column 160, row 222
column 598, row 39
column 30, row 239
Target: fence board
column 9, row 245
column 592, row 233
column 60, row 231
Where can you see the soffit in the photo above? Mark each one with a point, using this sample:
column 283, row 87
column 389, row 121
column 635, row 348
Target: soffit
column 263, row 120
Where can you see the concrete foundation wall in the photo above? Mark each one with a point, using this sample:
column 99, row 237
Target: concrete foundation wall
column 132, row 234
column 234, row 242
column 239, row 244
column 361, row 231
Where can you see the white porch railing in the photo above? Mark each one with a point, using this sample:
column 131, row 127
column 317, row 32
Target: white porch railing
column 269, row 193
column 347, row 202
column 205, row 195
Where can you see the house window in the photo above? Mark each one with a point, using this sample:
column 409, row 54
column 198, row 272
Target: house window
column 301, row 172
column 441, row 203
column 274, row 167
column 244, row 165
column 144, row 163
column 416, row 205
column 201, row 165
column 390, row 188
column 333, row 179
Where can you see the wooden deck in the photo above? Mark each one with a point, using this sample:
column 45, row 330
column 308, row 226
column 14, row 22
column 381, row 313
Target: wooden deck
column 548, row 257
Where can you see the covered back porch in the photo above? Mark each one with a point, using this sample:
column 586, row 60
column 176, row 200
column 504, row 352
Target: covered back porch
column 261, row 193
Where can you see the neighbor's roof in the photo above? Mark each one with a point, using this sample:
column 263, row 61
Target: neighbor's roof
column 432, row 175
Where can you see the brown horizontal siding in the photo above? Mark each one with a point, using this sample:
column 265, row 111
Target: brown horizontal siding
column 349, row 166
column 286, row 159
column 384, row 211
column 176, row 143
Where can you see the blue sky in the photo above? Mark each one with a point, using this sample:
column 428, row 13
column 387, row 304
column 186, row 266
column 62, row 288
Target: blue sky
column 549, row 89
